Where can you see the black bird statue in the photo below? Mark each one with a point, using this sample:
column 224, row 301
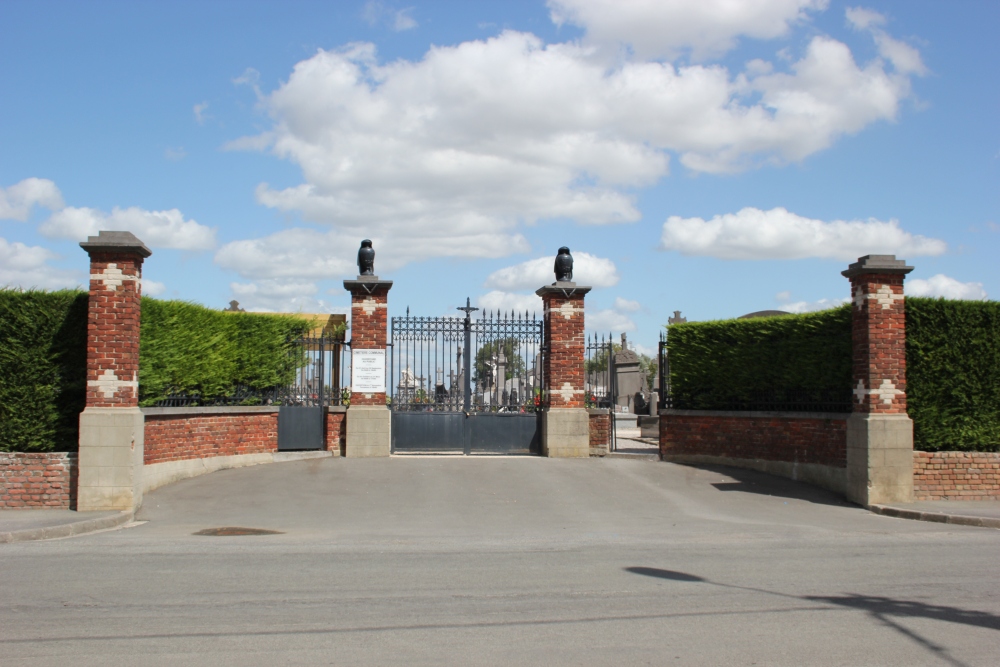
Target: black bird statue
column 564, row 265
column 366, row 259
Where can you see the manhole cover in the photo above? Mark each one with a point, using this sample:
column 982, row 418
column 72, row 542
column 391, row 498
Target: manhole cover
column 229, row 531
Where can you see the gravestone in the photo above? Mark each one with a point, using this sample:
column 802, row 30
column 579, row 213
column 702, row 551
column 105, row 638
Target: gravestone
column 630, row 378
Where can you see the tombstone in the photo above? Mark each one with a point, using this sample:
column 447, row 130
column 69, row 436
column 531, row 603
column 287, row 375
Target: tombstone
column 630, row 378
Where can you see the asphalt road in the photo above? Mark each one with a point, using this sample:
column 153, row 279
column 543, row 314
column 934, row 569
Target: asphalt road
column 487, row 561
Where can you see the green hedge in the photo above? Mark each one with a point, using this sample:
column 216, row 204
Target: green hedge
column 190, row 348
column 721, row 364
column 183, row 347
column 953, row 374
column 43, row 358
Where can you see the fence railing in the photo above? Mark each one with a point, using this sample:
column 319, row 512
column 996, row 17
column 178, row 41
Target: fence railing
column 319, row 371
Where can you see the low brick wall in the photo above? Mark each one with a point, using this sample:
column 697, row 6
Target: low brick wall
column 956, row 475
column 336, row 431
column 45, row 480
column 600, row 431
column 177, row 434
column 811, row 447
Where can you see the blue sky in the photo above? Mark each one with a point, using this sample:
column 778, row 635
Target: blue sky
column 694, row 157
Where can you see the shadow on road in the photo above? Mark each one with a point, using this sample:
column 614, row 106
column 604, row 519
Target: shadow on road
column 882, row 609
column 762, row 483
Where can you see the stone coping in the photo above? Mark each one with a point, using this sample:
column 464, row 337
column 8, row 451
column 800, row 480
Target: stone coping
column 598, row 411
column 756, row 414
column 223, row 410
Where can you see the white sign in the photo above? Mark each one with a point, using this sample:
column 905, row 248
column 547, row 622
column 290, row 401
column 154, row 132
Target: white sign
column 368, row 371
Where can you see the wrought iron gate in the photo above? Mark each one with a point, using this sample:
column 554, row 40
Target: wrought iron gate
column 466, row 385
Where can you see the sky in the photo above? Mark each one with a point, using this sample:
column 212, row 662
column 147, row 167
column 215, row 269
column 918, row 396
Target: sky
column 707, row 156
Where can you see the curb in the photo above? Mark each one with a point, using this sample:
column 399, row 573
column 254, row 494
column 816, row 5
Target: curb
column 635, row 456
column 935, row 517
column 68, row 529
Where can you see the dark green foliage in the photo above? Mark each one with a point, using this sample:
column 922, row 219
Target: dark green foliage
column 43, row 358
column 193, row 349
column 953, row 374
column 485, row 357
column 716, row 365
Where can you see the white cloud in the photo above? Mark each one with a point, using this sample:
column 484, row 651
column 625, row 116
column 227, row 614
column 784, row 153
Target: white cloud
column 656, row 28
column 587, row 270
column 199, row 113
column 295, row 254
column 863, row 19
column 784, row 298
column 17, row 200
column 449, row 155
column 779, row 234
column 28, row 267
column 626, row 306
column 608, row 320
column 398, row 20
column 159, row 229
column 903, row 57
column 945, row 286
column 175, row 154
column 506, row 302
column 282, row 296
column 152, row 287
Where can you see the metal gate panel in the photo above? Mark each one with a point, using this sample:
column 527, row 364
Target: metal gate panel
column 504, row 433
column 300, row 427
column 428, row 432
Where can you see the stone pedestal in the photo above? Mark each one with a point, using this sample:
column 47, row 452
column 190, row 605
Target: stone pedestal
column 111, row 425
column 111, row 451
column 368, row 420
column 565, row 422
column 879, row 432
column 369, row 431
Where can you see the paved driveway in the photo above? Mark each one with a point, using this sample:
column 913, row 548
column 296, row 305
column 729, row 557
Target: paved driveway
column 485, row 561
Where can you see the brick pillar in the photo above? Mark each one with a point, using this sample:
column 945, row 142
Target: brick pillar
column 111, row 425
column 565, row 420
column 879, row 432
column 368, row 419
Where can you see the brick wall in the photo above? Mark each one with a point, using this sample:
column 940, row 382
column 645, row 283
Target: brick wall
column 336, row 432
column 956, row 475
column 600, row 423
column 564, row 338
column 792, row 437
column 369, row 327
column 178, row 437
column 38, row 480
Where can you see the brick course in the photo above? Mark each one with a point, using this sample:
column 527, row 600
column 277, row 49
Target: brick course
column 563, row 365
column 180, row 437
column 878, row 336
column 45, row 480
column 956, row 475
column 369, row 327
column 336, row 433
column 113, row 329
column 600, row 433
column 771, row 437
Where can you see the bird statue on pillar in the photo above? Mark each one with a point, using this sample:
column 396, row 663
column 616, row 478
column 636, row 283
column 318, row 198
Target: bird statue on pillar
column 564, row 266
column 366, row 259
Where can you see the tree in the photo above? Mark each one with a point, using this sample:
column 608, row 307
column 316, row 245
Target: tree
column 486, row 357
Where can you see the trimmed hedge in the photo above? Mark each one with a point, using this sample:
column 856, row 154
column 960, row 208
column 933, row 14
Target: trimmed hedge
column 952, row 359
column 784, row 359
column 43, row 360
column 183, row 347
column 953, row 374
column 188, row 348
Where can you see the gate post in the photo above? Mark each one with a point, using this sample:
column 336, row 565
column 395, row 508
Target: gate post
column 879, row 432
column 368, row 421
column 565, row 420
column 111, row 424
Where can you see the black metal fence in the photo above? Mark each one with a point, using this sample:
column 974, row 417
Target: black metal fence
column 599, row 372
column 492, row 363
column 319, row 374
